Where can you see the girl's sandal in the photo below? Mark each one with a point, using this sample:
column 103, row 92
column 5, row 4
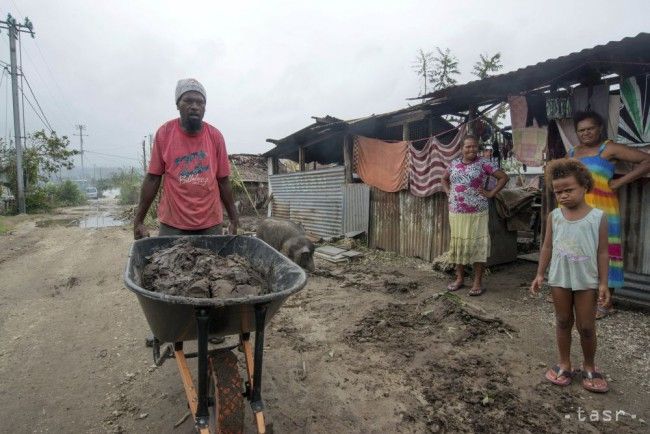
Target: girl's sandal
column 559, row 376
column 593, row 381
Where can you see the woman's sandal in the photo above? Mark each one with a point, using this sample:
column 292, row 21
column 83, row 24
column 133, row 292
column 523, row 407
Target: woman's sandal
column 453, row 286
column 475, row 292
column 559, row 376
column 589, row 379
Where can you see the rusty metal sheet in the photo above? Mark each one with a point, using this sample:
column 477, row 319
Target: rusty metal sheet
column 441, row 233
column 635, row 233
column 416, row 226
column 384, row 220
column 356, row 207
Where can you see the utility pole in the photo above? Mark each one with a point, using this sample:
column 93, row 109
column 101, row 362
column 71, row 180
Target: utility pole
column 81, row 144
column 13, row 28
column 144, row 160
column 150, row 145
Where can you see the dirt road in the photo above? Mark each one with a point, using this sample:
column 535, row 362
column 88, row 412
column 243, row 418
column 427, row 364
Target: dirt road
column 367, row 347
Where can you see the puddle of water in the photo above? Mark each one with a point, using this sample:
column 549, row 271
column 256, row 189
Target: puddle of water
column 102, row 220
column 47, row 223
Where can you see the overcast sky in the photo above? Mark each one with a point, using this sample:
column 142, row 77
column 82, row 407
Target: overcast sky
column 270, row 65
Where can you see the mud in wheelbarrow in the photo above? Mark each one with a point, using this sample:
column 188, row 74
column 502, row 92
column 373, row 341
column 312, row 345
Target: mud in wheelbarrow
column 214, row 404
column 173, row 318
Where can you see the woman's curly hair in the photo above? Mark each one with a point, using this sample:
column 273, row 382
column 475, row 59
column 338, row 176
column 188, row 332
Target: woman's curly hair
column 565, row 167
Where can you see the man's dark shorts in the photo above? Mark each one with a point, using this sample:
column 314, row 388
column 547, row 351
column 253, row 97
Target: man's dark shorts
column 170, row 230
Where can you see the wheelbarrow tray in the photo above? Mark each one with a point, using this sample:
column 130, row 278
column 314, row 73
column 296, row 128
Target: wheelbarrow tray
column 173, row 318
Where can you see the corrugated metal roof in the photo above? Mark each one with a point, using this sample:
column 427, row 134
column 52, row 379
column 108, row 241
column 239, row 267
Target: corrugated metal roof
column 628, row 54
column 329, row 131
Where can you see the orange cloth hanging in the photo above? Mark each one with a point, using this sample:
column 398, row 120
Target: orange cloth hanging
column 381, row 164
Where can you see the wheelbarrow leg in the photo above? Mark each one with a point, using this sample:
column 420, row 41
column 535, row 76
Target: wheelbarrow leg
column 188, row 384
column 202, row 414
column 256, row 393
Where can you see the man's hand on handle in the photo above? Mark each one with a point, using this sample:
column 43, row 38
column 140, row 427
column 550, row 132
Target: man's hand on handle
column 140, row 231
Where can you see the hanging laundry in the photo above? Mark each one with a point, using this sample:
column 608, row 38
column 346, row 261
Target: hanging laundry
column 592, row 98
column 634, row 121
column 429, row 164
column 568, row 133
column 518, row 111
column 529, row 145
column 381, row 164
column 558, row 107
column 615, row 105
column 536, row 116
column 527, row 111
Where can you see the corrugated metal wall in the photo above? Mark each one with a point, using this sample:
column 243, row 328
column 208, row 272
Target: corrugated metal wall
column 356, row 207
column 441, row 234
column 635, row 221
column 384, row 221
column 409, row 225
column 313, row 198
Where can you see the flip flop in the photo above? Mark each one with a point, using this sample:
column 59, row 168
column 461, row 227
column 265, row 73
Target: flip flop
column 475, row 292
column 559, row 376
column 588, row 378
column 454, row 287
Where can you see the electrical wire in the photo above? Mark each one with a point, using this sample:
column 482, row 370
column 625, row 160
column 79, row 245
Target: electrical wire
column 47, row 125
column 113, row 155
column 37, row 103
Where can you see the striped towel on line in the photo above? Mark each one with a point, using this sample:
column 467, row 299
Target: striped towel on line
column 429, row 164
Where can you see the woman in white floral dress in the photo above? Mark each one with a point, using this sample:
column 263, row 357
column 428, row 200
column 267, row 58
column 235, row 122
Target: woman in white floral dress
column 464, row 183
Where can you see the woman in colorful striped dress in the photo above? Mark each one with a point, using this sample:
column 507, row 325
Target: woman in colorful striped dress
column 600, row 158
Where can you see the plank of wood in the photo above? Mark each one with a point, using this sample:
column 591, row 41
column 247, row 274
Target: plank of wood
column 188, row 384
column 248, row 354
column 261, row 425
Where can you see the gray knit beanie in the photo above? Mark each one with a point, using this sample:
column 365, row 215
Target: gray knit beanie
column 188, row 84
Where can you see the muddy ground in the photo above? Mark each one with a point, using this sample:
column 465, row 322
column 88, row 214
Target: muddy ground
column 370, row 346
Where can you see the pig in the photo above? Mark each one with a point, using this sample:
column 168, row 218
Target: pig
column 289, row 239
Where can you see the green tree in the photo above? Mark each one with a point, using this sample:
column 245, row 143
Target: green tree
column 487, row 65
column 484, row 68
column 444, row 70
column 422, row 66
column 44, row 155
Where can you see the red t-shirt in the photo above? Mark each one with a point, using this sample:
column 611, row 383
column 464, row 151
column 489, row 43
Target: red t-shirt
column 191, row 165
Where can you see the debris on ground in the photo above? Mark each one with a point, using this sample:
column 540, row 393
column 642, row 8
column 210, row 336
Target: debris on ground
column 190, row 271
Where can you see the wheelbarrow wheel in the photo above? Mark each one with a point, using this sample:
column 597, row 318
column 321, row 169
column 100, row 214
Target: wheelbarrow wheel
column 227, row 412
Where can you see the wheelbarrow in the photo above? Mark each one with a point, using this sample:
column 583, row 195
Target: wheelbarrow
column 217, row 404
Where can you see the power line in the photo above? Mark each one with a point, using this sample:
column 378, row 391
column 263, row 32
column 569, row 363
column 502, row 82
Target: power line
column 114, row 156
column 46, row 84
column 46, row 124
column 37, row 103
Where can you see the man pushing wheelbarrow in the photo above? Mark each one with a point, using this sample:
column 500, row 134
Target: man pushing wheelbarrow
column 192, row 156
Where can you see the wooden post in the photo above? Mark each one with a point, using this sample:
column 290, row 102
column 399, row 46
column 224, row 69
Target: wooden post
column 301, row 158
column 472, row 117
column 272, row 169
column 405, row 131
column 347, row 158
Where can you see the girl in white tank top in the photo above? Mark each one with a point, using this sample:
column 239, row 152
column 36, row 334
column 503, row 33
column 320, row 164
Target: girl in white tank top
column 576, row 247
